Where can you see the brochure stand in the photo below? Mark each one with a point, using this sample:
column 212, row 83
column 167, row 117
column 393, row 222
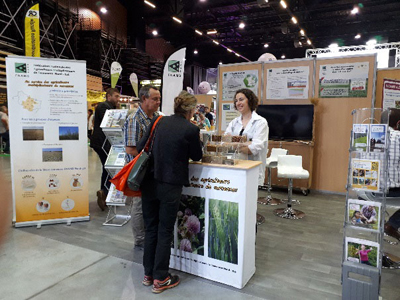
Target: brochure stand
column 111, row 125
column 364, row 220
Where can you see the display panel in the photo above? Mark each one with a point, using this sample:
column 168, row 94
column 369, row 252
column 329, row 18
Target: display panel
column 288, row 122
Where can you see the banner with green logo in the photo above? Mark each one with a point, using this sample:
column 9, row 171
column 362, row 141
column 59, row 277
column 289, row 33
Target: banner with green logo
column 116, row 70
column 172, row 80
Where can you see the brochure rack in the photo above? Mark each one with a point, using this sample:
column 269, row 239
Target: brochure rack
column 364, row 220
column 111, row 125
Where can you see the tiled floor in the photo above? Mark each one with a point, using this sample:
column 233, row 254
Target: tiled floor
column 294, row 259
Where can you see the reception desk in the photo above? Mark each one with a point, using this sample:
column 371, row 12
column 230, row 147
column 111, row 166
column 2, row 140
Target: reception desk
column 214, row 234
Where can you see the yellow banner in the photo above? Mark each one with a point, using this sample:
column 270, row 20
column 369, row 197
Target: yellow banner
column 32, row 33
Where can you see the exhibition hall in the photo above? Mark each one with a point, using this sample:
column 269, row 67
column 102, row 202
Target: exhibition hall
column 220, row 149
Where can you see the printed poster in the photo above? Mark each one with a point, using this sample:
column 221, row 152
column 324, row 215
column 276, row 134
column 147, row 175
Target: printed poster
column 48, row 130
column 364, row 214
column 233, row 81
column 365, row 174
column 348, row 80
column 362, row 251
column 391, row 94
column 228, row 114
column 288, row 83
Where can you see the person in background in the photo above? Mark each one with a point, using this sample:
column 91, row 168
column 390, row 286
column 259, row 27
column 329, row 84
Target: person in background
column 176, row 141
column 134, row 128
column 203, row 121
column 4, row 128
column 97, row 141
column 209, row 116
column 252, row 125
column 89, row 119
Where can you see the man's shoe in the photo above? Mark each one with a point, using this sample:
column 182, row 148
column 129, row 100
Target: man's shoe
column 147, row 280
column 168, row 283
column 391, row 231
column 101, row 200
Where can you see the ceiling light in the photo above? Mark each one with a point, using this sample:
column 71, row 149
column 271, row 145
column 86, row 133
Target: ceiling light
column 302, row 32
column 198, row 32
column 266, row 45
column 294, row 20
column 229, row 50
column 149, row 4
column 241, row 25
column 103, row 10
column 371, row 42
column 215, row 42
column 237, row 54
column 283, row 56
column 333, row 45
column 203, row 0
column 176, row 20
column 308, row 42
column 212, row 31
column 283, row 4
column 358, row 36
column 266, row 1
column 154, row 32
column 300, row 44
column 195, row 51
column 355, row 10
column 220, row 63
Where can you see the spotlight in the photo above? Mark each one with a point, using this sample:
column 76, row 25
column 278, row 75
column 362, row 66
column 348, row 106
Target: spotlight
column 220, row 63
column 229, row 50
column 198, row 32
column 103, row 10
column 309, row 41
column 195, row 51
column 302, row 32
column 283, row 56
column 294, row 20
column 212, row 31
column 283, row 4
column 154, row 32
column 176, row 20
column 241, row 25
column 355, row 11
column 215, row 42
column 358, row 36
column 371, row 42
column 149, row 4
column 266, row 45
column 237, row 54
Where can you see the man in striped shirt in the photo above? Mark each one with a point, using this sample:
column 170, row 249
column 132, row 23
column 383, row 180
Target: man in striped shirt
column 134, row 128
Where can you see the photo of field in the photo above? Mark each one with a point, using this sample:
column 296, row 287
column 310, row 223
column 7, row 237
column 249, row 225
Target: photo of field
column 52, row 154
column 33, row 133
column 223, row 230
column 68, row 133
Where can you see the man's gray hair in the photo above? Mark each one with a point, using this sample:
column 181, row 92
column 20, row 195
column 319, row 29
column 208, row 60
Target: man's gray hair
column 145, row 91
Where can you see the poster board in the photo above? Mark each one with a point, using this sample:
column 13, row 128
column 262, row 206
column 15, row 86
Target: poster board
column 381, row 74
column 290, row 65
column 333, row 124
column 255, row 67
column 48, row 130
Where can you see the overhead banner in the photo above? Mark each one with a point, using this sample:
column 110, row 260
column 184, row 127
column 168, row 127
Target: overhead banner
column 172, row 83
column 135, row 83
column 288, row 83
column 391, row 94
column 348, row 80
column 233, row 81
column 48, row 130
column 32, row 33
column 115, row 72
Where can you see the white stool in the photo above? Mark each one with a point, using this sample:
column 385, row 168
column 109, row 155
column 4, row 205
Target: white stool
column 290, row 167
column 272, row 162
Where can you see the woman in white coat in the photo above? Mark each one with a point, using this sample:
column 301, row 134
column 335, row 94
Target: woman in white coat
column 252, row 125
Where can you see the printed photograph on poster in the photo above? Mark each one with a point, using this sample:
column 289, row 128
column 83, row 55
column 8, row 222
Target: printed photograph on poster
column 223, row 230
column 364, row 214
column 53, row 183
column 33, row 133
column 360, row 136
column 43, row 206
column 191, row 224
column 52, row 154
column 68, row 204
column 377, row 138
column 68, row 133
column 348, row 80
column 391, row 94
column 362, row 251
column 365, row 174
column 288, row 83
column 76, row 182
column 232, row 81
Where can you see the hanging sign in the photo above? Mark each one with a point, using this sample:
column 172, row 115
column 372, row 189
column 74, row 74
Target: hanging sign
column 116, row 70
column 48, row 130
column 32, row 33
column 135, row 83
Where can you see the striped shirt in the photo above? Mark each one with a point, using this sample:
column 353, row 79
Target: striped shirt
column 134, row 128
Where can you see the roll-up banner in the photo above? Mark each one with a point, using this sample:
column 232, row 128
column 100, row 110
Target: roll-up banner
column 32, row 33
column 172, row 83
column 115, row 71
column 48, row 130
column 135, row 83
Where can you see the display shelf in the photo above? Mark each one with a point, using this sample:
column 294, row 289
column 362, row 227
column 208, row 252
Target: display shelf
column 114, row 118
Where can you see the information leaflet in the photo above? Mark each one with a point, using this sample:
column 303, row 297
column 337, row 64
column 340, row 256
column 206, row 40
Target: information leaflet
column 48, row 130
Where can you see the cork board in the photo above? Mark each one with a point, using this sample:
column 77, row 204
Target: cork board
column 391, row 73
column 307, row 62
column 204, row 99
column 94, row 83
column 235, row 68
column 333, row 123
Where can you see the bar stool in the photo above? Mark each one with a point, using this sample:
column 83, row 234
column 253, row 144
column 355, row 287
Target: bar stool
column 272, row 162
column 290, row 167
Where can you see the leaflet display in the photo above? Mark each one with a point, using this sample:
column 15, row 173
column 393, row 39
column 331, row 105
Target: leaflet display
column 362, row 251
column 48, row 130
column 114, row 118
column 369, row 137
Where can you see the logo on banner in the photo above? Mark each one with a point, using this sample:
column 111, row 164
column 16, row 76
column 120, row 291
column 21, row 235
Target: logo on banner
column 21, row 68
column 174, row 66
column 33, row 13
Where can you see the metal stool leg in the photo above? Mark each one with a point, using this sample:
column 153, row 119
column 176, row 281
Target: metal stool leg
column 269, row 200
column 289, row 212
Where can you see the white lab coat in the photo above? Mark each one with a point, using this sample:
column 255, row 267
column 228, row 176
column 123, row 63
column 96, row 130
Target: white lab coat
column 257, row 132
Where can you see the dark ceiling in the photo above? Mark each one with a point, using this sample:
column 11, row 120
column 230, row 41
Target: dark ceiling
column 324, row 21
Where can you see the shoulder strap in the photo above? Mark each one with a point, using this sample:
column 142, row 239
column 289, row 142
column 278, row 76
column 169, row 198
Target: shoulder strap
column 151, row 137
